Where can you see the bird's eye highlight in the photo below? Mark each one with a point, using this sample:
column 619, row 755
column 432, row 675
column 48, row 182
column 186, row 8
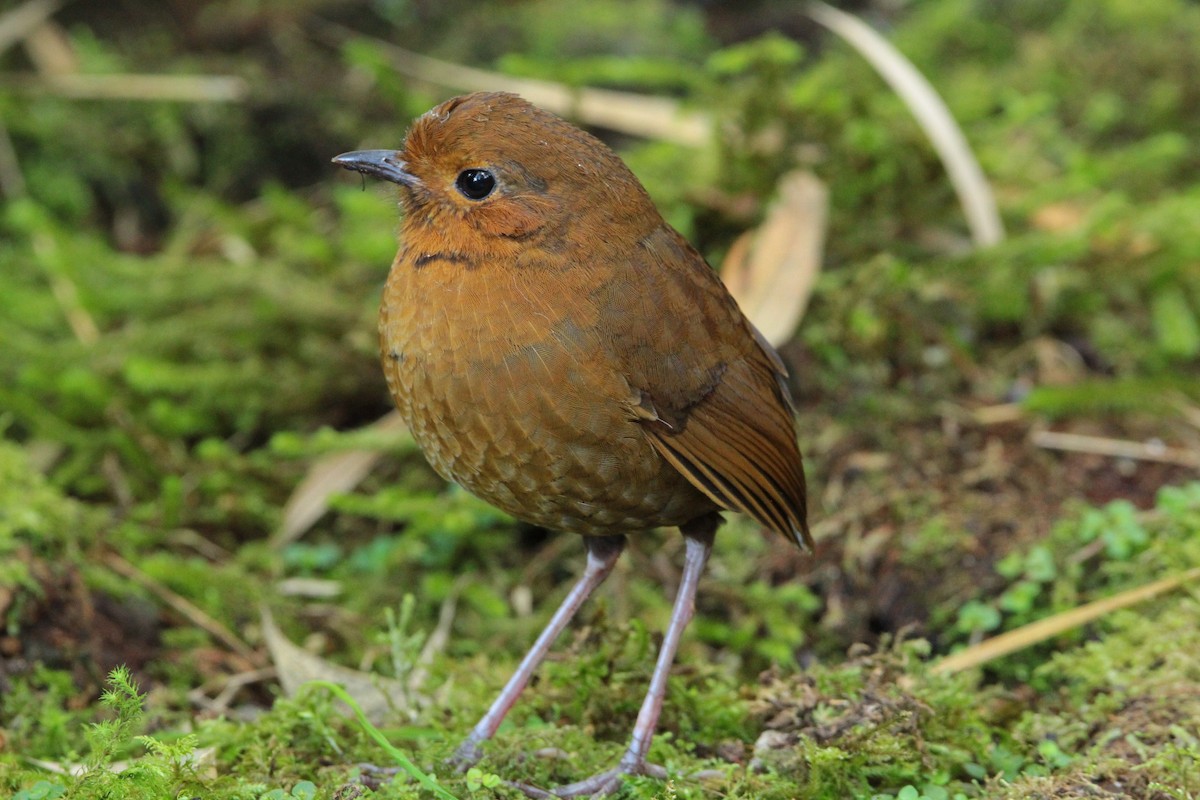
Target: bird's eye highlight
column 475, row 184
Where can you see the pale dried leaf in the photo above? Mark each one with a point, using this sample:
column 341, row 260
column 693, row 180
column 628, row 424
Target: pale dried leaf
column 1058, row 364
column 1062, row 217
column 378, row 696
column 974, row 192
column 772, row 270
column 333, row 474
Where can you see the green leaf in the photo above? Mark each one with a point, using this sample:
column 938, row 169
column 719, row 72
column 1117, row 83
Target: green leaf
column 1175, row 324
column 42, row 790
column 304, row 790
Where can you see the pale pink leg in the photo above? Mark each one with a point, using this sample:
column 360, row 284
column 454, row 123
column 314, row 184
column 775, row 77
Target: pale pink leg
column 699, row 536
column 602, row 553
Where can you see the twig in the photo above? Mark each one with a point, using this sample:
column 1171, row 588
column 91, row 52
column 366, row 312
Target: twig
column 232, row 685
column 1190, row 412
column 549, row 553
column 436, row 642
column 998, row 414
column 1117, row 448
column 177, row 88
column 12, row 180
column 206, row 548
column 835, row 522
column 974, row 193
column 15, row 25
column 640, row 115
column 1037, row 632
column 65, row 292
column 183, row 606
column 49, row 49
column 81, row 322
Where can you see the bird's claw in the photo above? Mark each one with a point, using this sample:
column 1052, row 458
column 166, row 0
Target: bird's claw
column 373, row 776
column 601, row 784
column 466, row 756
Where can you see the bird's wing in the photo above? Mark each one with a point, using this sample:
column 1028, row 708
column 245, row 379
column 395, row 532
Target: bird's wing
column 709, row 390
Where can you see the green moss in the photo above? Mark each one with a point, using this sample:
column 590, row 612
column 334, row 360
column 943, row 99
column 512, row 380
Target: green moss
column 1092, row 553
column 38, row 527
column 1157, row 396
column 1124, row 706
column 188, row 324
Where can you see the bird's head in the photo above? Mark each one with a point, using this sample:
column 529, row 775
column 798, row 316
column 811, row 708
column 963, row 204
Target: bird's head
column 491, row 164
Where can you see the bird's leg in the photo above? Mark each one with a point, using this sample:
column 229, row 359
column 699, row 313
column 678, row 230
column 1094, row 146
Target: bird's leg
column 602, row 553
column 699, row 539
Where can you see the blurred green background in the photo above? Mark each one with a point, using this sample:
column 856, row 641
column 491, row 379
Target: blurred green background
column 188, row 293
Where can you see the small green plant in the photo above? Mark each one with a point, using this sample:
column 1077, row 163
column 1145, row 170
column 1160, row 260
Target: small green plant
column 42, row 790
column 166, row 769
column 109, row 737
column 1180, row 763
column 304, row 790
column 976, row 617
column 1092, row 552
column 478, row 779
column 928, row 792
column 404, row 644
column 1118, row 526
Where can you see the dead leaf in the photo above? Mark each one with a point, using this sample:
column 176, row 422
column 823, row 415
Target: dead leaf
column 772, row 270
column 311, row 588
column 333, row 474
column 1059, row 217
column 1058, row 364
column 378, row 696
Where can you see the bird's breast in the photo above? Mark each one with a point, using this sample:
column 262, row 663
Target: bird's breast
column 503, row 381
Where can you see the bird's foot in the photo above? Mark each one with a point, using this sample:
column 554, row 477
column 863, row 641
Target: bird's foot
column 601, row 784
column 466, row 756
column 373, row 776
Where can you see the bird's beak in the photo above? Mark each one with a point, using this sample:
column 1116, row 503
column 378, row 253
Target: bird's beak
column 386, row 164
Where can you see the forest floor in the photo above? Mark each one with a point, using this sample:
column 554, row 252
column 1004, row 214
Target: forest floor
column 205, row 505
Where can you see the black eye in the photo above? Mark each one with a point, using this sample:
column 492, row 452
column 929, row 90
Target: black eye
column 475, row 184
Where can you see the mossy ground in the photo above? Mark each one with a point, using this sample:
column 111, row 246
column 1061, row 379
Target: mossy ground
column 188, row 325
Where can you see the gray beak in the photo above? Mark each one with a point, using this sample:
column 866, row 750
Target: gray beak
column 386, row 164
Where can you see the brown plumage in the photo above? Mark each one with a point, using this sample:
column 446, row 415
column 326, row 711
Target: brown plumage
column 563, row 353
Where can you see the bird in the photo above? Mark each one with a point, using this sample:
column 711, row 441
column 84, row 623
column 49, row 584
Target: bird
column 563, row 353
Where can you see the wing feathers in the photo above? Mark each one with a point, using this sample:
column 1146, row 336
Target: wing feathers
column 738, row 446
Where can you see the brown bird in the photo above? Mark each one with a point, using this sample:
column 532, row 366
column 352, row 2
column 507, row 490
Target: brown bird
column 563, row 353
